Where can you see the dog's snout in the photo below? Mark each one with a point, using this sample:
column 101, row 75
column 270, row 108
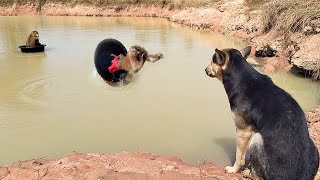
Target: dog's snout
column 206, row 71
column 209, row 73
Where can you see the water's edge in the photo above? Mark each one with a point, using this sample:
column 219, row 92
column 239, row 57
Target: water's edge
column 77, row 164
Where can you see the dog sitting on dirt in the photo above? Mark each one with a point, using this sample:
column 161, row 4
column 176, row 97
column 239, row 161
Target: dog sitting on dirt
column 33, row 39
column 280, row 146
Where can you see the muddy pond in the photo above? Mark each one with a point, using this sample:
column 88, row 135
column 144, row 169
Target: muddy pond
column 54, row 102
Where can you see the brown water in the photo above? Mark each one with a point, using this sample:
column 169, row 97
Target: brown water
column 54, row 102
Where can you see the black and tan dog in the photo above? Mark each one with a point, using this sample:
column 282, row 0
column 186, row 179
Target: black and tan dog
column 280, row 146
column 33, row 39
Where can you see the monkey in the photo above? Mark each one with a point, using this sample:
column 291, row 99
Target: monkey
column 33, row 39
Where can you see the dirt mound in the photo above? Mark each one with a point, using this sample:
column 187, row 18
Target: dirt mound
column 314, row 129
column 116, row 166
column 307, row 57
column 314, row 115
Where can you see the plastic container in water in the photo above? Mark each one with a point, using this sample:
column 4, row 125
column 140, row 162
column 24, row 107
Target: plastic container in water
column 39, row 48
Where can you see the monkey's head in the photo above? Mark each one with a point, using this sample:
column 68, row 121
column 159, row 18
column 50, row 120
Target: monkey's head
column 138, row 56
column 34, row 34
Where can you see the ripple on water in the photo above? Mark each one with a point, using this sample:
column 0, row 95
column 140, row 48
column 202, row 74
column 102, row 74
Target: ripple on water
column 10, row 120
column 34, row 92
column 4, row 117
column 2, row 48
column 124, row 89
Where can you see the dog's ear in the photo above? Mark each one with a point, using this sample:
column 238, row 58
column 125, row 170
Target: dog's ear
column 220, row 57
column 246, row 52
column 144, row 56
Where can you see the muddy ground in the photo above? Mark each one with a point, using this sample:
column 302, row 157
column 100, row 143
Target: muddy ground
column 227, row 17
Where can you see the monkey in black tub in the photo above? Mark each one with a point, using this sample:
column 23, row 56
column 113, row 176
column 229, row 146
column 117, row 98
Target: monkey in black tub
column 33, row 39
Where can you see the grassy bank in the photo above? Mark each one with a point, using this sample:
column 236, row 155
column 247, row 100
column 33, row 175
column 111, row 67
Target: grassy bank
column 284, row 15
column 288, row 16
column 170, row 3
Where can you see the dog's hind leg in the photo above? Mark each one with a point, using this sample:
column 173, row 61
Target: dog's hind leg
column 257, row 157
column 243, row 137
column 250, row 173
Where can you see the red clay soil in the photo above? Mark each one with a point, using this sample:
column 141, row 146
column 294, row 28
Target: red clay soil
column 313, row 118
column 228, row 17
column 314, row 115
column 113, row 166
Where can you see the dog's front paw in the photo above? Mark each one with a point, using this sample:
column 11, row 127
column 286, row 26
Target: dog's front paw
column 232, row 169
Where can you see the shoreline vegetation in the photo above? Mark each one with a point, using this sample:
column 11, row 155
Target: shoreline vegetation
column 288, row 27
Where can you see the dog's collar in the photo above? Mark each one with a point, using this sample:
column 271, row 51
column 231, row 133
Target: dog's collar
column 114, row 64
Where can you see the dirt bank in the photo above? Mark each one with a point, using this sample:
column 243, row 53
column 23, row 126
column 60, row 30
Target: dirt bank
column 313, row 118
column 228, row 17
column 112, row 166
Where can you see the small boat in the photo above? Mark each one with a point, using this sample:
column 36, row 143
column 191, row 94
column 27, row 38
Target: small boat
column 103, row 59
column 38, row 48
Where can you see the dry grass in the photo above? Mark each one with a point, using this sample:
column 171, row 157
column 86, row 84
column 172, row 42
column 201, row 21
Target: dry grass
column 289, row 15
column 170, row 3
column 255, row 4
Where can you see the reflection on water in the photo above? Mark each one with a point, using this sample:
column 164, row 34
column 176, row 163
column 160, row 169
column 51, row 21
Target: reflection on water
column 54, row 102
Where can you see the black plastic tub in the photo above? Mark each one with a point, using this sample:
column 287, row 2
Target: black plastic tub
column 39, row 48
column 103, row 58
